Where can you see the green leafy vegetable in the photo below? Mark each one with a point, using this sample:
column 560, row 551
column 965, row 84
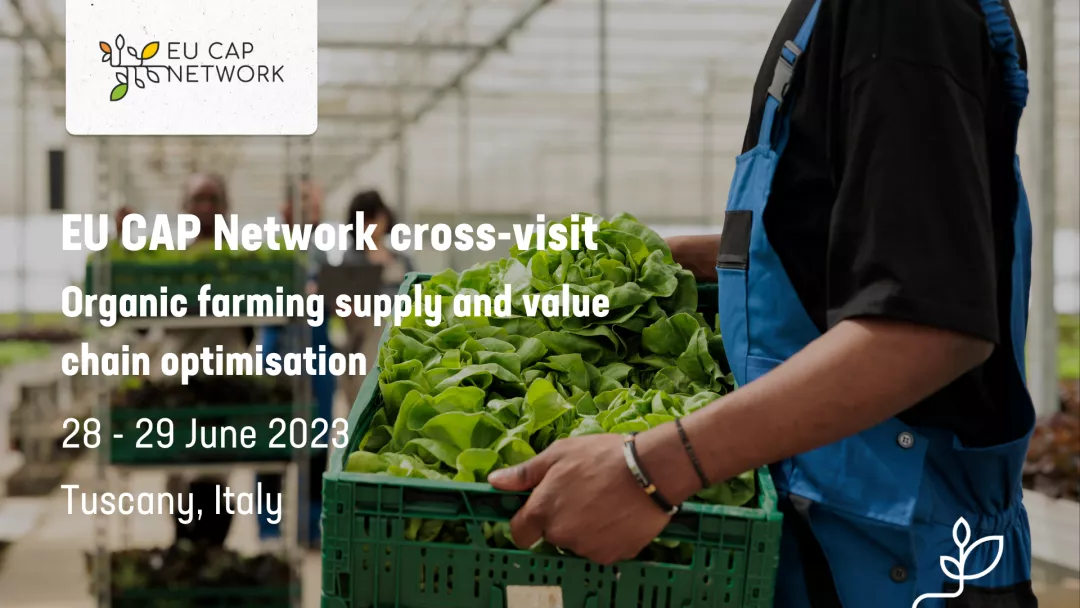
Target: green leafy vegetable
column 477, row 394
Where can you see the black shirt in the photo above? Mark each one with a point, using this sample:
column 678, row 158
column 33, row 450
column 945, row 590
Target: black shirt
column 895, row 194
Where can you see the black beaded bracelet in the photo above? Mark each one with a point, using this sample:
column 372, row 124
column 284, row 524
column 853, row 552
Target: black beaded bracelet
column 693, row 456
column 630, row 453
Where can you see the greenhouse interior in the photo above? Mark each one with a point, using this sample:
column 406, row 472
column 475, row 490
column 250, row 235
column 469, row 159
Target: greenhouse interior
column 462, row 112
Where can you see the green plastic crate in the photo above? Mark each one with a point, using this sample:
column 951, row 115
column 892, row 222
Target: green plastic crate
column 227, row 276
column 248, row 597
column 124, row 421
column 368, row 563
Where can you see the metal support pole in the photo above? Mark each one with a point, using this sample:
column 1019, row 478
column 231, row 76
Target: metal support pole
column 602, row 35
column 401, row 165
column 464, row 132
column 464, row 152
column 102, row 278
column 23, row 193
column 707, row 146
column 1042, row 326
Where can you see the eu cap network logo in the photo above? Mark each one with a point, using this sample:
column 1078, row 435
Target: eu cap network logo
column 114, row 56
column 192, row 67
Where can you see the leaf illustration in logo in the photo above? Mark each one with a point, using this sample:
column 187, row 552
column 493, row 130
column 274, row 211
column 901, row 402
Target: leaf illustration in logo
column 961, row 525
column 121, row 78
column 1000, row 540
column 105, row 48
column 106, row 57
column 946, row 561
column 139, row 83
column 152, row 75
column 118, row 92
column 120, row 42
column 150, row 50
column 131, row 51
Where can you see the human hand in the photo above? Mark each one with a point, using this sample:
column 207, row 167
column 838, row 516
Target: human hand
column 584, row 500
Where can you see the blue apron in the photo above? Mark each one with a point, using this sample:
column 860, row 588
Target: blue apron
column 869, row 518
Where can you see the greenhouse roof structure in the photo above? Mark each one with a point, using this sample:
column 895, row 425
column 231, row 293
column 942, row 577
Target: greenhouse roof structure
column 500, row 105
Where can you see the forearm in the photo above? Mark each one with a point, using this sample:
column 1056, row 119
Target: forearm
column 856, row 375
column 696, row 254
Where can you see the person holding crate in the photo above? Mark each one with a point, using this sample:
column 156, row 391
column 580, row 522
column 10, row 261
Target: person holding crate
column 873, row 288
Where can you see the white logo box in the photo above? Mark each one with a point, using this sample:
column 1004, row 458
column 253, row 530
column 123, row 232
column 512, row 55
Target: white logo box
column 219, row 67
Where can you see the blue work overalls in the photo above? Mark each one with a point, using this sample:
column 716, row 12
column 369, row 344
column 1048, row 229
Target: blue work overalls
column 868, row 519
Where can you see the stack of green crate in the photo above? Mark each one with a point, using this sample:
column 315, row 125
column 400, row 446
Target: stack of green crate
column 228, row 274
column 369, row 563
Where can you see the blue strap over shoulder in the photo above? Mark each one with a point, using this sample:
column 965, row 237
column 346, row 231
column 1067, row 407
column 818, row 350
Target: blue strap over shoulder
column 782, row 76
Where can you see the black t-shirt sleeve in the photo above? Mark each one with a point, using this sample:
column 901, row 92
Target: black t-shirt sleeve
column 912, row 235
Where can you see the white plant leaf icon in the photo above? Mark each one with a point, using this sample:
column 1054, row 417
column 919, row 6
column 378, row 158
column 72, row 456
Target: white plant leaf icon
column 956, row 574
column 121, row 78
column 131, row 51
column 152, row 75
column 961, row 524
column 1000, row 540
column 119, row 42
column 953, row 567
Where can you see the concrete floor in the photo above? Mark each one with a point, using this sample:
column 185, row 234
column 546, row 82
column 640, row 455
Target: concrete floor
column 46, row 568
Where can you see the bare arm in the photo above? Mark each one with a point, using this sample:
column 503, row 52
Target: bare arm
column 696, row 254
column 858, row 374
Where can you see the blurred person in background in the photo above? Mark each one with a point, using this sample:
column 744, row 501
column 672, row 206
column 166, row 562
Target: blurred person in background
column 205, row 196
column 873, row 287
column 362, row 335
column 286, row 340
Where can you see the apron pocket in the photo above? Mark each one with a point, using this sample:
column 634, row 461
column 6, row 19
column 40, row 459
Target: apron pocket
column 732, row 264
column 1019, row 595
